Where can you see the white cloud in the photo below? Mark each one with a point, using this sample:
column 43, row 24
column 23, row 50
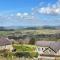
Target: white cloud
column 18, row 14
column 52, row 9
column 22, row 14
column 25, row 14
column 49, row 10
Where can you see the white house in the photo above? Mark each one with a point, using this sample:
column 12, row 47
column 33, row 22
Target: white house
column 5, row 44
column 48, row 49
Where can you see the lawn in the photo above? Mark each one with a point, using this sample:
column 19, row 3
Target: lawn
column 24, row 47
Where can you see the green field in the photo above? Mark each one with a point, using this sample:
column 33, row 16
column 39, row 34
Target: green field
column 41, row 31
column 24, row 47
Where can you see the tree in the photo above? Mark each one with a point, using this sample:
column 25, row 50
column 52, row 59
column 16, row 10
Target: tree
column 32, row 41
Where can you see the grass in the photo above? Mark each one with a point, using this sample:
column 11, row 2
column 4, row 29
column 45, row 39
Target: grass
column 24, row 47
column 41, row 31
column 5, row 33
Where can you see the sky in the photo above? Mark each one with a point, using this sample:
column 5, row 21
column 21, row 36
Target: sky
column 29, row 12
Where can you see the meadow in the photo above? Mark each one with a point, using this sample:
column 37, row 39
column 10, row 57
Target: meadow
column 34, row 32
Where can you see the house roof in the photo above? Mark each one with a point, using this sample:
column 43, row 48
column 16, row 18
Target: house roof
column 55, row 45
column 50, row 48
column 4, row 41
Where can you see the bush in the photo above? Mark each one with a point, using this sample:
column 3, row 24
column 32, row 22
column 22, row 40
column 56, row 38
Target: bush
column 26, row 54
column 6, row 53
column 21, row 54
column 33, row 54
column 24, row 48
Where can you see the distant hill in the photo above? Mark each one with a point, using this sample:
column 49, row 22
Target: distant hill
column 5, row 29
column 12, row 28
column 49, row 27
column 43, row 27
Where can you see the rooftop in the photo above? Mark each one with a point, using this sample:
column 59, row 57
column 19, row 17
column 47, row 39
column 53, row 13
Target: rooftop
column 55, row 45
column 4, row 41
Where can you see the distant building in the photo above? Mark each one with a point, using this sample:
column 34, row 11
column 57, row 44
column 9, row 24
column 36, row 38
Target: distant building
column 5, row 44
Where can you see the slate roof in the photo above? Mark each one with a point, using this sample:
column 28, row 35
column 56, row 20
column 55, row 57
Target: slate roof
column 55, row 45
column 4, row 41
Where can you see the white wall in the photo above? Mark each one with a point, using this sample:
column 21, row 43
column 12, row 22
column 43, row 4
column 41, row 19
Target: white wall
column 58, row 53
column 9, row 47
column 41, row 49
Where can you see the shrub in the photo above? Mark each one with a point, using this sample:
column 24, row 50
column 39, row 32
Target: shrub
column 33, row 54
column 26, row 54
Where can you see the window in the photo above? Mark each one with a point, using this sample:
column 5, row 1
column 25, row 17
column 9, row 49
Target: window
column 42, row 48
column 38, row 49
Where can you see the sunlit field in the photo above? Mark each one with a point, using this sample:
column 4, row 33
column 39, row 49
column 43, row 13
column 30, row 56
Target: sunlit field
column 34, row 32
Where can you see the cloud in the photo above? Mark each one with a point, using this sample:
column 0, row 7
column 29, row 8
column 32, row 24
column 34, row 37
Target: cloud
column 25, row 14
column 49, row 9
column 22, row 14
column 19, row 17
column 18, row 14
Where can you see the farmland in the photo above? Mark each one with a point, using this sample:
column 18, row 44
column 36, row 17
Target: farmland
column 41, row 31
column 39, row 34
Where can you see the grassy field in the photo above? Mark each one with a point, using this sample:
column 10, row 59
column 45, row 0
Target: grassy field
column 24, row 47
column 41, row 31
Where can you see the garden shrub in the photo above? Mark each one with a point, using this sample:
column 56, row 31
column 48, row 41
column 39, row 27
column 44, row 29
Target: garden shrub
column 26, row 54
